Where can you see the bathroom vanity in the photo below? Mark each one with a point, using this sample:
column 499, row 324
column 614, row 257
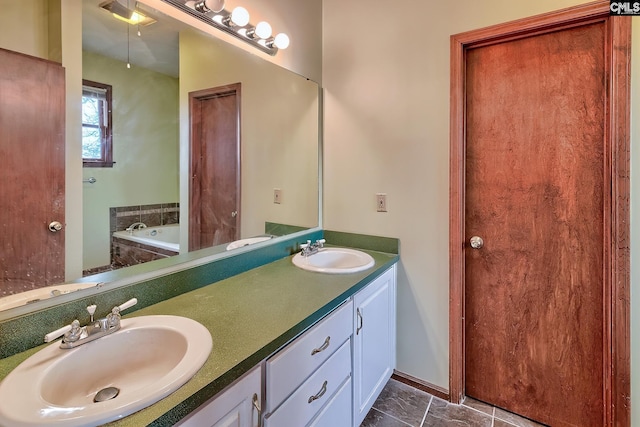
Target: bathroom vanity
column 328, row 376
column 265, row 324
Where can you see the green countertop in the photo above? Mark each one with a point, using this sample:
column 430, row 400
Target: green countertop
column 250, row 316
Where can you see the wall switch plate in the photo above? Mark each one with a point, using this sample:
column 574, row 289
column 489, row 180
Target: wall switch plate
column 381, row 202
column 277, row 196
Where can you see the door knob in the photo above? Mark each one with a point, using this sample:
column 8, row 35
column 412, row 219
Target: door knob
column 476, row 242
column 55, row 226
column 234, row 214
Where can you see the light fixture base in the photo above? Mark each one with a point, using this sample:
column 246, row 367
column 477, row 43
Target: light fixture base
column 271, row 50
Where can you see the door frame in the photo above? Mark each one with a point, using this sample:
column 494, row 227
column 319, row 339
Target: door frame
column 616, row 262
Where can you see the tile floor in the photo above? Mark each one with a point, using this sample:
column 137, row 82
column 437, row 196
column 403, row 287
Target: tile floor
column 400, row 405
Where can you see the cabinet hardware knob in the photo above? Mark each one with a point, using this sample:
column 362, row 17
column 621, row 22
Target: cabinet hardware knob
column 319, row 394
column 323, row 347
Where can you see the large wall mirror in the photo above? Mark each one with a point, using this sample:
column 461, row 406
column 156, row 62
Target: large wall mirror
column 151, row 178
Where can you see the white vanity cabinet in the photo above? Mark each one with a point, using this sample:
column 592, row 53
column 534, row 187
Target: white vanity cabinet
column 237, row 406
column 329, row 376
column 374, row 341
column 304, row 380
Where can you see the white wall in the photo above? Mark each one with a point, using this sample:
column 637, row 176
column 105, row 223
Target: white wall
column 24, row 26
column 299, row 20
column 279, row 132
column 386, row 81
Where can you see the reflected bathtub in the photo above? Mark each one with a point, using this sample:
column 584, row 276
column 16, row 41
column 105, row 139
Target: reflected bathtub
column 163, row 236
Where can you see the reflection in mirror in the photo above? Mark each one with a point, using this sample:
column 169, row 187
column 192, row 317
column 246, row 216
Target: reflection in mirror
column 149, row 181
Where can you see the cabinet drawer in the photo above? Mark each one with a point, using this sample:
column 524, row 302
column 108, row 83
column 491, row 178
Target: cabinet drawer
column 291, row 366
column 314, row 393
column 338, row 411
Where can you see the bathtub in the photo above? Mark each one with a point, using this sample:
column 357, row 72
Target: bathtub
column 163, row 236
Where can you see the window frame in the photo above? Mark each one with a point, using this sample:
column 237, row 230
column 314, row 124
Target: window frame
column 106, row 140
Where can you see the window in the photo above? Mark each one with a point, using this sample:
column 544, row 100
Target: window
column 96, row 125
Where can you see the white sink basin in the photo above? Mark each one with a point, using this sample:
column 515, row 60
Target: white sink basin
column 246, row 242
column 335, row 261
column 147, row 359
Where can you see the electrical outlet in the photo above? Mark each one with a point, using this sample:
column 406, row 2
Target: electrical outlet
column 277, row 196
column 381, row 202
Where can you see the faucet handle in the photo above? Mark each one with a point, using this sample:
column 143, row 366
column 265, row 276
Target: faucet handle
column 128, row 304
column 113, row 319
column 92, row 309
column 57, row 333
column 305, row 245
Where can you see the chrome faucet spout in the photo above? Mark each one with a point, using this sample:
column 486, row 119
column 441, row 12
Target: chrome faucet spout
column 311, row 248
column 135, row 226
column 74, row 335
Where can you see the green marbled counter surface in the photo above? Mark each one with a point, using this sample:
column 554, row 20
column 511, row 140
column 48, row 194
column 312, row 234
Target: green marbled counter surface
column 250, row 316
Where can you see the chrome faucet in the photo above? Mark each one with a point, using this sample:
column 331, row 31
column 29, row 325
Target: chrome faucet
column 311, row 248
column 135, row 226
column 75, row 335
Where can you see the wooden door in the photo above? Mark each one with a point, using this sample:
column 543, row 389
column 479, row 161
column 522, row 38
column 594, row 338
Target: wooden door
column 32, row 111
column 539, row 309
column 534, row 193
column 214, row 201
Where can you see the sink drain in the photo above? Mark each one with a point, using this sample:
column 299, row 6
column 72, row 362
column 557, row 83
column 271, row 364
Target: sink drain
column 106, row 394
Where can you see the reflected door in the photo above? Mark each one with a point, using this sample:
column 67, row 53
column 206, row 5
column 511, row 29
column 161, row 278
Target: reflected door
column 32, row 109
column 214, row 199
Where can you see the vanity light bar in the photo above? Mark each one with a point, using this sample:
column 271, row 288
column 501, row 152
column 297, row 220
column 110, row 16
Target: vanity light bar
column 235, row 23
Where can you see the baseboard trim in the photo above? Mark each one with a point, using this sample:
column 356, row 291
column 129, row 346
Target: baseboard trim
column 421, row 385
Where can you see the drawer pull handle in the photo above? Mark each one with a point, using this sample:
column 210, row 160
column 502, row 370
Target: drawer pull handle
column 256, row 404
column 361, row 321
column 323, row 347
column 319, row 394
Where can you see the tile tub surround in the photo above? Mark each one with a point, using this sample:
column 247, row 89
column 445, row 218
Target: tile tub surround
column 121, row 217
column 250, row 313
column 400, row 405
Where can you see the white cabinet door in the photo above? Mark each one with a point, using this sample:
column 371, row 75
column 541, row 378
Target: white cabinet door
column 237, row 406
column 374, row 341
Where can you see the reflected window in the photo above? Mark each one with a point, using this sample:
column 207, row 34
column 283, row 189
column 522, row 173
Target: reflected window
column 96, row 125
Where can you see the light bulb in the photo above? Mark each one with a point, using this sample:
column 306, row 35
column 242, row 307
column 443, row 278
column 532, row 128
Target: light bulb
column 263, row 30
column 214, row 5
column 281, row 41
column 240, row 16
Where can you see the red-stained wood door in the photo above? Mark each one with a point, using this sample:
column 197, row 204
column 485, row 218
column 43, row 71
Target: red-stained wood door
column 536, row 193
column 540, row 137
column 214, row 200
column 32, row 180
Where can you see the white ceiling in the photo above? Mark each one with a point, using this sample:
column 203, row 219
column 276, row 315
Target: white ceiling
column 155, row 49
